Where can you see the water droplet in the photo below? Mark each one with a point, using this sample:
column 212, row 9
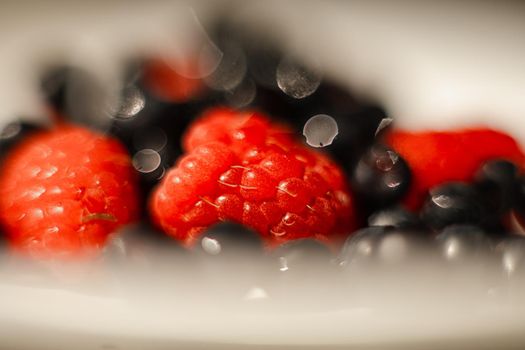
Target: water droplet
column 264, row 59
column 296, row 80
column 385, row 122
column 11, row 130
column 231, row 70
column 153, row 138
column 194, row 44
column 320, row 130
column 211, row 246
column 443, row 201
column 210, row 57
column 162, row 173
column 146, row 160
column 132, row 103
column 392, row 181
column 242, row 95
column 386, row 160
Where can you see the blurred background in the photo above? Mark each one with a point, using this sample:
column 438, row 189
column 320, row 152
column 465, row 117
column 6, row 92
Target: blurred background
column 457, row 63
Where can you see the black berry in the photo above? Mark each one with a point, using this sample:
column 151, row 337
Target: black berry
column 13, row 133
column 229, row 239
column 511, row 252
column 452, row 203
column 381, row 176
column 394, row 217
column 379, row 245
column 301, row 255
column 460, row 242
column 497, row 183
column 81, row 96
column 519, row 199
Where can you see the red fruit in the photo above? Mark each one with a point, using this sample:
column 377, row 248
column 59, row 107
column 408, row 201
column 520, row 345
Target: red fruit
column 166, row 83
column 241, row 131
column 255, row 173
column 64, row 191
column 437, row 157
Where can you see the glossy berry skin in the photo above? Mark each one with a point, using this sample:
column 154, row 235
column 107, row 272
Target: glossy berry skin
column 452, row 203
column 511, row 252
column 229, row 239
column 142, row 247
column 383, row 245
column 394, row 217
column 497, row 182
column 499, row 172
column 357, row 133
column 64, row 191
column 240, row 167
column 381, row 176
column 361, row 246
column 301, row 255
column 519, row 201
column 459, row 242
column 442, row 156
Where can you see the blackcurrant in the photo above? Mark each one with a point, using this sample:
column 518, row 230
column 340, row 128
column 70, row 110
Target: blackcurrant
column 452, row 203
column 381, row 176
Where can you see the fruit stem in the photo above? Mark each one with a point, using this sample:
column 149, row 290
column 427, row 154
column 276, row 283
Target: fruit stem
column 99, row 216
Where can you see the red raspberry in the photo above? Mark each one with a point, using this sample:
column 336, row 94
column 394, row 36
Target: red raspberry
column 438, row 157
column 239, row 130
column 62, row 192
column 169, row 85
column 241, row 167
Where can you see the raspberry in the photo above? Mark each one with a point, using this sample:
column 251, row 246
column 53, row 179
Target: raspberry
column 64, row 191
column 438, row 157
column 168, row 85
column 243, row 132
column 241, row 167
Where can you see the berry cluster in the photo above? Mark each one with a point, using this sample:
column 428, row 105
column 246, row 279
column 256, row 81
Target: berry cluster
column 203, row 153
